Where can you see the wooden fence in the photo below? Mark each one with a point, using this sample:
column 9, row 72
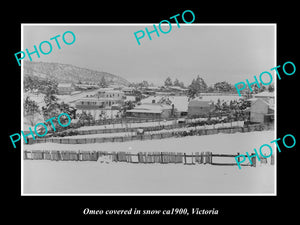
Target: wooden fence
column 120, row 121
column 128, row 120
column 140, row 157
column 148, row 128
column 192, row 131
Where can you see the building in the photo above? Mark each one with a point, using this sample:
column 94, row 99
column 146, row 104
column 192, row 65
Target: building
column 90, row 103
column 128, row 90
column 114, row 94
column 102, row 99
column 86, row 86
column 151, row 110
column 180, row 103
column 178, row 91
column 98, row 103
column 65, row 88
column 261, row 111
column 199, row 107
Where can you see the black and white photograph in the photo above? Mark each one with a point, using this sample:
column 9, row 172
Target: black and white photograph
column 148, row 109
column 151, row 112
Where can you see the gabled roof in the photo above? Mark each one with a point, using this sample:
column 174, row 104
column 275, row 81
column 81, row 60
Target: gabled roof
column 265, row 94
column 270, row 106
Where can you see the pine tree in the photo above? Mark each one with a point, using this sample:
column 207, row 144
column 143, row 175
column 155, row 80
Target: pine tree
column 176, row 83
column 168, row 82
column 222, row 86
column 197, row 86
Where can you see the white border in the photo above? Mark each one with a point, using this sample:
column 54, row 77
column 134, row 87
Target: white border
column 149, row 24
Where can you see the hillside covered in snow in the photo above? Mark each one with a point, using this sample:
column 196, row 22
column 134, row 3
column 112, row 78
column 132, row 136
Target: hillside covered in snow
column 69, row 73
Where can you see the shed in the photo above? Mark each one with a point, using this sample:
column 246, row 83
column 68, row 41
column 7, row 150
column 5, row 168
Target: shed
column 150, row 110
column 199, row 107
column 261, row 111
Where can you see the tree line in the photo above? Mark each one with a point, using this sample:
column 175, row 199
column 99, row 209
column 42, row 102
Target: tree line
column 198, row 85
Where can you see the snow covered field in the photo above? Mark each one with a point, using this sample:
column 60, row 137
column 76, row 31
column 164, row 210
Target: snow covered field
column 71, row 177
column 47, row 177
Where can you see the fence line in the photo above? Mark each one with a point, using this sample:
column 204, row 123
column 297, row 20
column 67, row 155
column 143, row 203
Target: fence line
column 140, row 157
column 137, row 120
column 190, row 131
column 150, row 128
column 121, row 121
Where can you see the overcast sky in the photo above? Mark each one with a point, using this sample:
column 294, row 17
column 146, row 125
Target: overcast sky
column 230, row 53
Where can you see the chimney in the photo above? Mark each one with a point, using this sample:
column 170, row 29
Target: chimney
column 172, row 110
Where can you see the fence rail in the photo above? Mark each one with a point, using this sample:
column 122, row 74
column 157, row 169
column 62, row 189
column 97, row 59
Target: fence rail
column 140, row 157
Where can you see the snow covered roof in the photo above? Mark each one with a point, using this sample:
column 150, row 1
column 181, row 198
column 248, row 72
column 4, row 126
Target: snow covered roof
column 90, row 99
column 265, row 94
column 270, row 104
column 177, row 88
column 64, row 85
column 105, row 89
column 151, row 108
column 114, row 91
column 180, row 102
column 152, row 88
column 145, row 111
column 199, row 103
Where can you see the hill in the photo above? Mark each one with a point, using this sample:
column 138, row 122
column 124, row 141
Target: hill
column 69, row 73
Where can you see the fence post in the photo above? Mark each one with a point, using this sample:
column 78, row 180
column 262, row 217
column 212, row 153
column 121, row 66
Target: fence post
column 272, row 159
column 79, row 155
column 25, row 154
column 253, row 159
column 210, row 157
column 138, row 155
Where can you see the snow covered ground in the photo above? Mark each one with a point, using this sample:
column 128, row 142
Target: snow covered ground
column 47, row 177
column 71, row 177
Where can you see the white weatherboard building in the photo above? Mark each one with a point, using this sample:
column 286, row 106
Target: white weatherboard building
column 151, row 110
column 102, row 99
